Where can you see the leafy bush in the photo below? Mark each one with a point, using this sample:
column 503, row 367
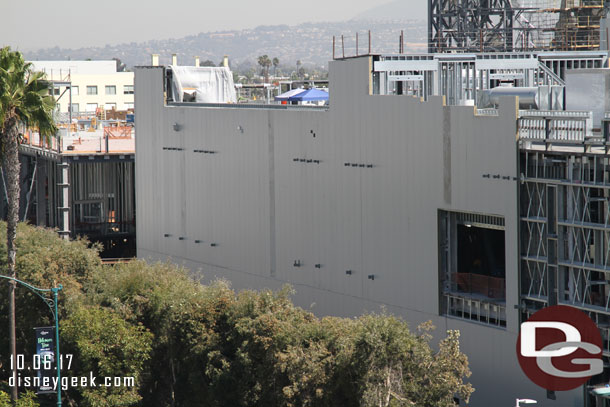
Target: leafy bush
column 187, row 344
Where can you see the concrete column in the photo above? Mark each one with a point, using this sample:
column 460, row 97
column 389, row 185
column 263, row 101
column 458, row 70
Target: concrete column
column 174, row 59
column 197, row 61
column 155, row 59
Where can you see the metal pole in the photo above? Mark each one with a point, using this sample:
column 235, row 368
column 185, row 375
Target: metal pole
column 369, row 42
column 65, row 193
column 70, row 107
column 342, row 46
column 57, row 354
column 53, row 308
column 29, row 194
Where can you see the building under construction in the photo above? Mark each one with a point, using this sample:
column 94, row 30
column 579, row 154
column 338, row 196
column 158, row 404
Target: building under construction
column 516, row 25
column 82, row 184
column 82, row 181
column 470, row 189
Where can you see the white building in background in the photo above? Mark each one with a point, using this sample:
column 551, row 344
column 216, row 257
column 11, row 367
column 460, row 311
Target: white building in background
column 94, row 84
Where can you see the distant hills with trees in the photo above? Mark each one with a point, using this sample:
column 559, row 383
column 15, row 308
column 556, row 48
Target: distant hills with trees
column 311, row 43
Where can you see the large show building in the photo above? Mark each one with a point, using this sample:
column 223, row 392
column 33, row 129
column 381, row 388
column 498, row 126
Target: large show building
column 443, row 187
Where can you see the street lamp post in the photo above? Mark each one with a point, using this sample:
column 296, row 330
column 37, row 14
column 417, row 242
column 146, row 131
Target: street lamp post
column 51, row 302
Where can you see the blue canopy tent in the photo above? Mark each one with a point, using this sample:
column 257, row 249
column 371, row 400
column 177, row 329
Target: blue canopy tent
column 309, row 95
column 290, row 93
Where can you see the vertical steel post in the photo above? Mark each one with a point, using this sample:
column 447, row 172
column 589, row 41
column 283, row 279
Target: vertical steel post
column 65, row 196
column 57, row 354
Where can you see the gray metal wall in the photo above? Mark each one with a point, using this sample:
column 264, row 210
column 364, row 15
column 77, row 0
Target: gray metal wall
column 249, row 211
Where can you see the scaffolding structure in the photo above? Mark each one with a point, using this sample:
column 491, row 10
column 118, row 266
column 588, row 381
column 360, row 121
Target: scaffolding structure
column 82, row 180
column 464, row 78
column 470, row 25
column 518, row 25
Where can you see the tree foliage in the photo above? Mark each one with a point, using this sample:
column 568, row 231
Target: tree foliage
column 27, row 399
column 103, row 344
column 188, row 344
column 24, row 101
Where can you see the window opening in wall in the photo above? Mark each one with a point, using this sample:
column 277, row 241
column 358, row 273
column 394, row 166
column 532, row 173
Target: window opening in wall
column 472, row 267
column 480, row 262
column 87, row 215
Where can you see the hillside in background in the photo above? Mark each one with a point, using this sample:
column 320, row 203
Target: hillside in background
column 311, row 43
column 415, row 9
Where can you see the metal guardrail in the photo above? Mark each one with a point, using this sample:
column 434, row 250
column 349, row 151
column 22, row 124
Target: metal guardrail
column 556, row 113
column 487, row 112
column 553, row 129
column 558, row 127
column 473, row 309
column 118, row 260
column 64, row 117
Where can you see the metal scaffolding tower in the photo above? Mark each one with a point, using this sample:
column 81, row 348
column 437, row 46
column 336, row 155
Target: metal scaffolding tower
column 470, row 25
column 514, row 25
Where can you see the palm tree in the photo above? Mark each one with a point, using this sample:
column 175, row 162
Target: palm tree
column 265, row 63
column 24, row 100
column 276, row 63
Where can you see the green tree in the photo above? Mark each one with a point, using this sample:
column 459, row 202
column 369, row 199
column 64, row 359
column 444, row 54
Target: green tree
column 44, row 258
column 188, row 344
column 27, row 400
column 398, row 368
column 178, row 311
column 24, row 100
column 207, row 62
column 104, row 345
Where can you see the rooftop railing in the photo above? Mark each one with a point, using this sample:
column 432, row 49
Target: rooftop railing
column 568, row 128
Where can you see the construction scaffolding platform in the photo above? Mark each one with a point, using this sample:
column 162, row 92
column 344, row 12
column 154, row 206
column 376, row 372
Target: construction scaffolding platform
column 521, row 25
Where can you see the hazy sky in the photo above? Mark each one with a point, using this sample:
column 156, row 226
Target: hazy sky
column 33, row 24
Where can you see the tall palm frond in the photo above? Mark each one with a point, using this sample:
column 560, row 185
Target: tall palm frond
column 24, row 96
column 24, row 100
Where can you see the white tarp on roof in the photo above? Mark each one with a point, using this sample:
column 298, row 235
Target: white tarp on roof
column 203, row 84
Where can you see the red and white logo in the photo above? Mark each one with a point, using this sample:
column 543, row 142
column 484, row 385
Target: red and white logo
column 559, row 348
